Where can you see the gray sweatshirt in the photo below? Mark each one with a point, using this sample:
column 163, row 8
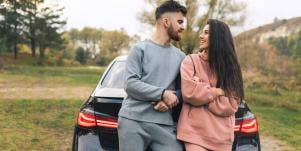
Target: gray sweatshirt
column 151, row 68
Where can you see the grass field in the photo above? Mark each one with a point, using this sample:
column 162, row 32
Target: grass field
column 279, row 113
column 37, row 124
column 38, row 107
column 77, row 76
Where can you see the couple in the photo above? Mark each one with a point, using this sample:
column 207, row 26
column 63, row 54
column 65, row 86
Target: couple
column 211, row 88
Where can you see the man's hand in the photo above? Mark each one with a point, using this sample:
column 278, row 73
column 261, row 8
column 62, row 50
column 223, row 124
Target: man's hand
column 160, row 106
column 170, row 98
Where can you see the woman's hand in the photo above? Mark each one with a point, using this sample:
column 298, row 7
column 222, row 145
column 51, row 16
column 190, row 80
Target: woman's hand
column 220, row 92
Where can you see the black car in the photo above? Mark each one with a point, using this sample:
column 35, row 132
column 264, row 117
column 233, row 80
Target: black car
column 96, row 127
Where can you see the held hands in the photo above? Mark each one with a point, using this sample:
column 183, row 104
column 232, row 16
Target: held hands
column 170, row 100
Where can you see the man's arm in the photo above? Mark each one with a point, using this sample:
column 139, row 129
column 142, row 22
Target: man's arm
column 136, row 88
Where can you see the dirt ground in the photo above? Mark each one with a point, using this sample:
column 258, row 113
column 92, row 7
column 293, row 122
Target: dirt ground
column 20, row 90
column 272, row 144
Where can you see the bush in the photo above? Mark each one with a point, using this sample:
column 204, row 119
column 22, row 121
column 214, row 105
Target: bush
column 81, row 55
column 67, row 54
column 103, row 60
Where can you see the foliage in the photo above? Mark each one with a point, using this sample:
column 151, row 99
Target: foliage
column 30, row 22
column 288, row 45
column 39, row 27
column 88, row 38
column 3, row 47
column 11, row 25
column 113, row 43
column 230, row 11
column 101, row 46
column 81, row 55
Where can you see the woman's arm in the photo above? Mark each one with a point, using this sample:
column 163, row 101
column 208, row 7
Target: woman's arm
column 194, row 91
column 223, row 106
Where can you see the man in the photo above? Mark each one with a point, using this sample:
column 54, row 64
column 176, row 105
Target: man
column 145, row 118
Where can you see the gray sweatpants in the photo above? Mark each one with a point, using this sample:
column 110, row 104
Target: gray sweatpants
column 136, row 136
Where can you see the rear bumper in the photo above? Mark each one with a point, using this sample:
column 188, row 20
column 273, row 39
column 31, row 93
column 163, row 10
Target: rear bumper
column 88, row 140
column 247, row 147
column 246, row 143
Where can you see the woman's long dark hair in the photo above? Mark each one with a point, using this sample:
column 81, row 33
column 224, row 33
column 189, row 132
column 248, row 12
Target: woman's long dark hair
column 223, row 59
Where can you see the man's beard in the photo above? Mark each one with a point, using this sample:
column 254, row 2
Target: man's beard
column 173, row 34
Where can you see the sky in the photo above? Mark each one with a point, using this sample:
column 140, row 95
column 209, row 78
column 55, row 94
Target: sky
column 117, row 14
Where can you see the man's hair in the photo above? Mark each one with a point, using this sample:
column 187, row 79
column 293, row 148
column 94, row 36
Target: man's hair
column 170, row 6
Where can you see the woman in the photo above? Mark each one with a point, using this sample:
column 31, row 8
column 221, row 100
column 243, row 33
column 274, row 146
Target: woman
column 212, row 87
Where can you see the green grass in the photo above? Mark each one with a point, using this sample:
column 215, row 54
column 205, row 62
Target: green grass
column 37, row 124
column 289, row 99
column 279, row 113
column 280, row 123
column 41, row 124
column 46, row 124
column 58, row 75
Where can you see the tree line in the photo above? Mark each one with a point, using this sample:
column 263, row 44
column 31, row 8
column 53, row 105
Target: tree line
column 41, row 28
column 98, row 45
column 30, row 23
column 199, row 11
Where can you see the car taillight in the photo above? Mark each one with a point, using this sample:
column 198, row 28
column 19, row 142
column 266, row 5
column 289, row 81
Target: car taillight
column 90, row 120
column 86, row 119
column 106, row 122
column 246, row 126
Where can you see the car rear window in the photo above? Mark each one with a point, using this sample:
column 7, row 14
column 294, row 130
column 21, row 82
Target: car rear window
column 115, row 77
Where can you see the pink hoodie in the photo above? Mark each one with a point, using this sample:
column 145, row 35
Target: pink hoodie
column 206, row 119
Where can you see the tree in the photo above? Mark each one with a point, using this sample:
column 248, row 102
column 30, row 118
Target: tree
column 229, row 11
column 48, row 24
column 73, row 34
column 90, row 37
column 100, row 45
column 30, row 9
column 42, row 24
column 112, row 44
column 11, row 25
column 2, row 45
column 80, row 55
